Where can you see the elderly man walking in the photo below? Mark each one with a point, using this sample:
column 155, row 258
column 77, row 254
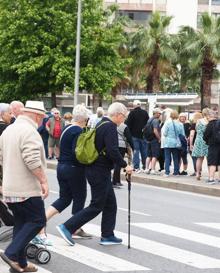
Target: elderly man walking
column 24, row 182
column 98, row 175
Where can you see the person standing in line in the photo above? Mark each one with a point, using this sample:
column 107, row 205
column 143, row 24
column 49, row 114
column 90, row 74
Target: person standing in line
column 192, row 138
column 153, row 145
column 16, row 109
column 125, row 145
column 212, row 139
column 24, row 198
column 200, row 148
column 98, row 176
column 183, row 154
column 136, row 121
column 70, row 175
column 55, row 127
column 171, row 130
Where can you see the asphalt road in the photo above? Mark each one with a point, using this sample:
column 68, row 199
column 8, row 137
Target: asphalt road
column 171, row 231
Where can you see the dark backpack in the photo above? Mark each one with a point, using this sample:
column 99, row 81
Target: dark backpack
column 216, row 132
column 148, row 131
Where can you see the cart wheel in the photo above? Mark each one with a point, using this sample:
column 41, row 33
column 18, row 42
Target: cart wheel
column 31, row 251
column 43, row 256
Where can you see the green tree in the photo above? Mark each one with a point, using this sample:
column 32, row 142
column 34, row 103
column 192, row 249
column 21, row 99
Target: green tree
column 202, row 46
column 152, row 51
column 37, row 48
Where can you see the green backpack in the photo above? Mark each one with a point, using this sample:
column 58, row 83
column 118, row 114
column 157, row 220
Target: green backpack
column 86, row 152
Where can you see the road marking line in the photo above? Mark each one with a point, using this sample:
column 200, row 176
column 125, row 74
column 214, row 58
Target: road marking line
column 132, row 211
column 210, row 225
column 163, row 250
column 5, row 268
column 135, row 212
column 182, row 233
column 91, row 257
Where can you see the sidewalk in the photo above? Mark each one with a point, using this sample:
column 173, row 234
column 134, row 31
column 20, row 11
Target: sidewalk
column 182, row 182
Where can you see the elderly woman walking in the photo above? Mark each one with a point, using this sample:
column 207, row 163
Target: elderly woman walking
column 171, row 131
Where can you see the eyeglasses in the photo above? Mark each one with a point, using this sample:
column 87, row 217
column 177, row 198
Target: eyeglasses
column 56, row 113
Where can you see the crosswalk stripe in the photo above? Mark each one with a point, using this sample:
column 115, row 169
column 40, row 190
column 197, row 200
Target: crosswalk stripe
column 91, row 257
column 182, row 233
column 210, row 225
column 163, row 250
column 4, row 267
column 122, row 209
column 135, row 212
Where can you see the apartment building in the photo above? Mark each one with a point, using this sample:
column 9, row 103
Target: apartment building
column 184, row 12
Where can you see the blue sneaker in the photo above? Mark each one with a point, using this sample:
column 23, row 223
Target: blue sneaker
column 111, row 240
column 41, row 240
column 67, row 236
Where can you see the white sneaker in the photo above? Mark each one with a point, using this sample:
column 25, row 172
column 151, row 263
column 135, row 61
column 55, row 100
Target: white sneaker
column 147, row 171
column 166, row 175
column 153, row 172
column 137, row 170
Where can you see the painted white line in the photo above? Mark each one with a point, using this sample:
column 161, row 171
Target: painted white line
column 122, row 209
column 55, row 192
column 91, row 257
column 163, row 250
column 5, row 268
column 210, row 225
column 182, row 233
column 135, row 212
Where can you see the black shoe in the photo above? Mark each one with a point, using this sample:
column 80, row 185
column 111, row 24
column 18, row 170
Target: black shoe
column 119, row 184
column 183, row 173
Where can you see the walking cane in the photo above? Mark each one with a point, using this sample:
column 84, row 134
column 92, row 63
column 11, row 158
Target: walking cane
column 128, row 178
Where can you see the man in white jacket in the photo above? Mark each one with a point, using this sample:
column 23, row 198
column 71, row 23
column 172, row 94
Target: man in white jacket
column 24, row 182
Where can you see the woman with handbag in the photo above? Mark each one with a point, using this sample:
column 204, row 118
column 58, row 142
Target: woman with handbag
column 172, row 145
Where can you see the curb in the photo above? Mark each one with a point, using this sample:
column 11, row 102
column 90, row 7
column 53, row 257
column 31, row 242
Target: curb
column 194, row 187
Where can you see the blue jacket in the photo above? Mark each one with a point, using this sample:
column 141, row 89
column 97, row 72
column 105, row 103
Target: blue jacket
column 170, row 137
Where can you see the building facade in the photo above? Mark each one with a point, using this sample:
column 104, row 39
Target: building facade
column 184, row 12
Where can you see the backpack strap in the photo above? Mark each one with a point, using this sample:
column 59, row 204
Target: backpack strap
column 64, row 131
column 101, row 123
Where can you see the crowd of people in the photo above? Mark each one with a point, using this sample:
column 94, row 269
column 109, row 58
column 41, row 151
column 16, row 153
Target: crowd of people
column 29, row 135
column 168, row 137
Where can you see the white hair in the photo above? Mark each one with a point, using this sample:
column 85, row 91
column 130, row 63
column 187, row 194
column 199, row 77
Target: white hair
column 117, row 108
column 100, row 112
column 136, row 103
column 4, row 107
column 80, row 113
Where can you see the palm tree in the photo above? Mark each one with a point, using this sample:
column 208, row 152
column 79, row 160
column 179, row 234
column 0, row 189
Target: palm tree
column 152, row 51
column 203, row 47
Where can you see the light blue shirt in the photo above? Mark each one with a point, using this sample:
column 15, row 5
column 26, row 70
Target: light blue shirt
column 170, row 137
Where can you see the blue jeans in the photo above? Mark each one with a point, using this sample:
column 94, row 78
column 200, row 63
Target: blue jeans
column 72, row 182
column 29, row 219
column 140, row 147
column 175, row 154
column 102, row 200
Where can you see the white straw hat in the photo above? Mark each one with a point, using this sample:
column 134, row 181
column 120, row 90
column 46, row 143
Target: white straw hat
column 34, row 107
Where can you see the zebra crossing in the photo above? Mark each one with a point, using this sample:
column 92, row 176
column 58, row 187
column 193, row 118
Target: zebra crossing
column 102, row 260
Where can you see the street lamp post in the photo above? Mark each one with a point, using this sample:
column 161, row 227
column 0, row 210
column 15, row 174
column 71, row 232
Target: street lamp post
column 77, row 63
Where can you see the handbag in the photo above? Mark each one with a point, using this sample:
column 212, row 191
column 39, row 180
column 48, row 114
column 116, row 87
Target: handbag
column 181, row 139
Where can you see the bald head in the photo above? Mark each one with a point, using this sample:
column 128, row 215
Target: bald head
column 16, row 108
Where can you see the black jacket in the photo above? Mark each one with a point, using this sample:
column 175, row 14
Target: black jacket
column 136, row 121
column 208, row 136
column 107, row 140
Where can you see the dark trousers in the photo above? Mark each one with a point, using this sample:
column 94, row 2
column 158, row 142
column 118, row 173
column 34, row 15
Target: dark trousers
column 161, row 159
column 117, row 169
column 102, row 200
column 72, row 183
column 175, row 154
column 29, row 219
column 140, row 148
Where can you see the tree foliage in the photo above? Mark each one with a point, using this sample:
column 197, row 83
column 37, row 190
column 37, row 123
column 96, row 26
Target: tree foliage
column 37, row 48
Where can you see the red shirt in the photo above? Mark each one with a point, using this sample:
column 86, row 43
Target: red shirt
column 57, row 129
